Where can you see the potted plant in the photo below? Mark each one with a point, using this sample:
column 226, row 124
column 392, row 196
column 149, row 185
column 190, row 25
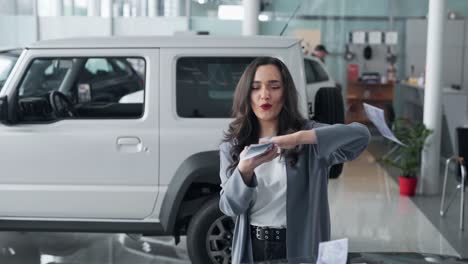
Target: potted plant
column 414, row 136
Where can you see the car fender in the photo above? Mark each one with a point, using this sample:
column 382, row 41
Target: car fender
column 201, row 167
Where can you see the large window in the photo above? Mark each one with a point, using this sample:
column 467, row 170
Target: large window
column 82, row 87
column 205, row 85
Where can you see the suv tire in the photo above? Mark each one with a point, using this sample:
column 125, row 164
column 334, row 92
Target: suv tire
column 329, row 106
column 210, row 222
column 329, row 109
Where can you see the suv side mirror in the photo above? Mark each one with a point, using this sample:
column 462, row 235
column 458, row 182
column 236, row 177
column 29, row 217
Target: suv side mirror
column 4, row 109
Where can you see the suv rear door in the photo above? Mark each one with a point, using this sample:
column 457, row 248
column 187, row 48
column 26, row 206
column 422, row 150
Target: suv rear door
column 102, row 163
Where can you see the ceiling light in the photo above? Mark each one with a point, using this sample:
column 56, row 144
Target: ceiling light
column 263, row 17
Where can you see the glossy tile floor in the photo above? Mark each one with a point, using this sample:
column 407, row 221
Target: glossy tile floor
column 429, row 205
column 365, row 208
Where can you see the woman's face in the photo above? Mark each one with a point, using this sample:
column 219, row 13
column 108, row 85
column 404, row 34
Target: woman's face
column 266, row 96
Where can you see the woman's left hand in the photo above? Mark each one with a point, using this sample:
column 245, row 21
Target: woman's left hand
column 287, row 141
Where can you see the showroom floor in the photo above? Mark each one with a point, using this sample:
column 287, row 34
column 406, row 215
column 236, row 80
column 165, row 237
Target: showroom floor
column 429, row 205
column 365, row 208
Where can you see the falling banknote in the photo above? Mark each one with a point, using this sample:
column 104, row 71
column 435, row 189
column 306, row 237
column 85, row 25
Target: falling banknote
column 376, row 115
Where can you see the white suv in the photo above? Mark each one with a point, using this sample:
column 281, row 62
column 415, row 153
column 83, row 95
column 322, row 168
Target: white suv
column 78, row 157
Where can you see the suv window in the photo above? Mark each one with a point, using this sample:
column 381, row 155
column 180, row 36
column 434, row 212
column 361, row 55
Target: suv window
column 43, row 76
column 99, row 66
column 90, row 87
column 314, row 72
column 205, row 85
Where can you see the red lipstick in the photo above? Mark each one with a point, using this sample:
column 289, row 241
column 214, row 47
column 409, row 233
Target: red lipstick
column 265, row 106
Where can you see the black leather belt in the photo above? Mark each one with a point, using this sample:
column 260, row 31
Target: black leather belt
column 267, row 233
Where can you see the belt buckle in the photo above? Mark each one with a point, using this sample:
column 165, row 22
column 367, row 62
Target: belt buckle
column 258, row 233
column 265, row 233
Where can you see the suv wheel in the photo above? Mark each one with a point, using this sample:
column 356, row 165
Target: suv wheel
column 209, row 236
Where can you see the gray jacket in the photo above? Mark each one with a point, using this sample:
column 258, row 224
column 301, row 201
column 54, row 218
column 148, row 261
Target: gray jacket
column 308, row 215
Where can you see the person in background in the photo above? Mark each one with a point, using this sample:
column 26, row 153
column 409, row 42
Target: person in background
column 320, row 52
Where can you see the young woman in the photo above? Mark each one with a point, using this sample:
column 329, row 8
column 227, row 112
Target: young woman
column 279, row 199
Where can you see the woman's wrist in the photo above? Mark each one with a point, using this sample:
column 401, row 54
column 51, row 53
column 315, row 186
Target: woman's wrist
column 246, row 173
column 244, row 170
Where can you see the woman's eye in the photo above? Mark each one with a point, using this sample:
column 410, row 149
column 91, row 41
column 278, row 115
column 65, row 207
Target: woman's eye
column 255, row 87
column 276, row 87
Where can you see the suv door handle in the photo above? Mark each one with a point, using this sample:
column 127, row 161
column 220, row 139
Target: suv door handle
column 128, row 141
column 129, row 144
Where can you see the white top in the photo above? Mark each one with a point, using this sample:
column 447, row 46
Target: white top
column 270, row 207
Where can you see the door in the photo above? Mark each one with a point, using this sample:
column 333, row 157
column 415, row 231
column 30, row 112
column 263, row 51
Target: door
column 77, row 151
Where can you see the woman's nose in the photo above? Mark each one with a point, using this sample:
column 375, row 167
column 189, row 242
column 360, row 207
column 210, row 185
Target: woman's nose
column 264, row 93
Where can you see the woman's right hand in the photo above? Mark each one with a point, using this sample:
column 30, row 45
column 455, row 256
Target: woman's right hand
column 247, row 166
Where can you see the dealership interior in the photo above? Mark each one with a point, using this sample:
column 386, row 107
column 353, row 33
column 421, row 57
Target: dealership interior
column 397, row 67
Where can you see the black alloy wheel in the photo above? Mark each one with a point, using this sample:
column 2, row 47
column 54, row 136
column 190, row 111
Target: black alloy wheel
column 209, row 236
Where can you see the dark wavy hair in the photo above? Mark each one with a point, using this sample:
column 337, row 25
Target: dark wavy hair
column 245, row 128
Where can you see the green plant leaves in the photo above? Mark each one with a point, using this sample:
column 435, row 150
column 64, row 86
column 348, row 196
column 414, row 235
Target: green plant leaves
column 414, row 135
